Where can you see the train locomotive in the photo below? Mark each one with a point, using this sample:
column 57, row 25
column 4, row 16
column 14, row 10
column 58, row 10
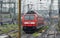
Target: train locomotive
column 31, row 21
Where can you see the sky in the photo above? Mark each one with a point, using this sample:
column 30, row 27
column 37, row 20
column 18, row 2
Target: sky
column 44, row 6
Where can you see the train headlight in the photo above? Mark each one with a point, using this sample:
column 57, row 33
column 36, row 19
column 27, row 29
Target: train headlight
column 32, row 22
column 29, row 22
column 26, row 23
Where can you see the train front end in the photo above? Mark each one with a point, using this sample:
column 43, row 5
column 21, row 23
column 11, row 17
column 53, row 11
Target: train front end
column 29, row 23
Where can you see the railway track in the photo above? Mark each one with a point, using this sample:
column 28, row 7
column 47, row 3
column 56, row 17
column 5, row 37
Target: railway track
column 50, row 33
column 13, row 31
column 44, row 34
column 10, row 33
column 31, row 35
column 34, row 35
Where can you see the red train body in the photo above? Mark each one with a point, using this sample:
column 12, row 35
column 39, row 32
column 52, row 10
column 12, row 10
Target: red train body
column 31, row 22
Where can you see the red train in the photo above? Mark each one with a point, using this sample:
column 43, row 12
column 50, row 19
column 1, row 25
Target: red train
column 31, row 21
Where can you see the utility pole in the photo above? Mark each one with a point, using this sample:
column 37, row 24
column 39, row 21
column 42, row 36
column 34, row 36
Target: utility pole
column 19, row 20
column 9, row 8
column 50, row 12
column 1, row 2
column 59, row 13
column 40, row 4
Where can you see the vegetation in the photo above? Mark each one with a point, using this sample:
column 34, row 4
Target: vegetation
column 57, row 28
column 14, row 34
column 40, row 30
column 7, row 28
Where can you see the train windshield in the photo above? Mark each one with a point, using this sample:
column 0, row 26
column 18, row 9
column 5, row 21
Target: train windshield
column 29, row 17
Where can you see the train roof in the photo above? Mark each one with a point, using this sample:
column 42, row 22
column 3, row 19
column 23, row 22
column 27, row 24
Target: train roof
column 31, row 12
